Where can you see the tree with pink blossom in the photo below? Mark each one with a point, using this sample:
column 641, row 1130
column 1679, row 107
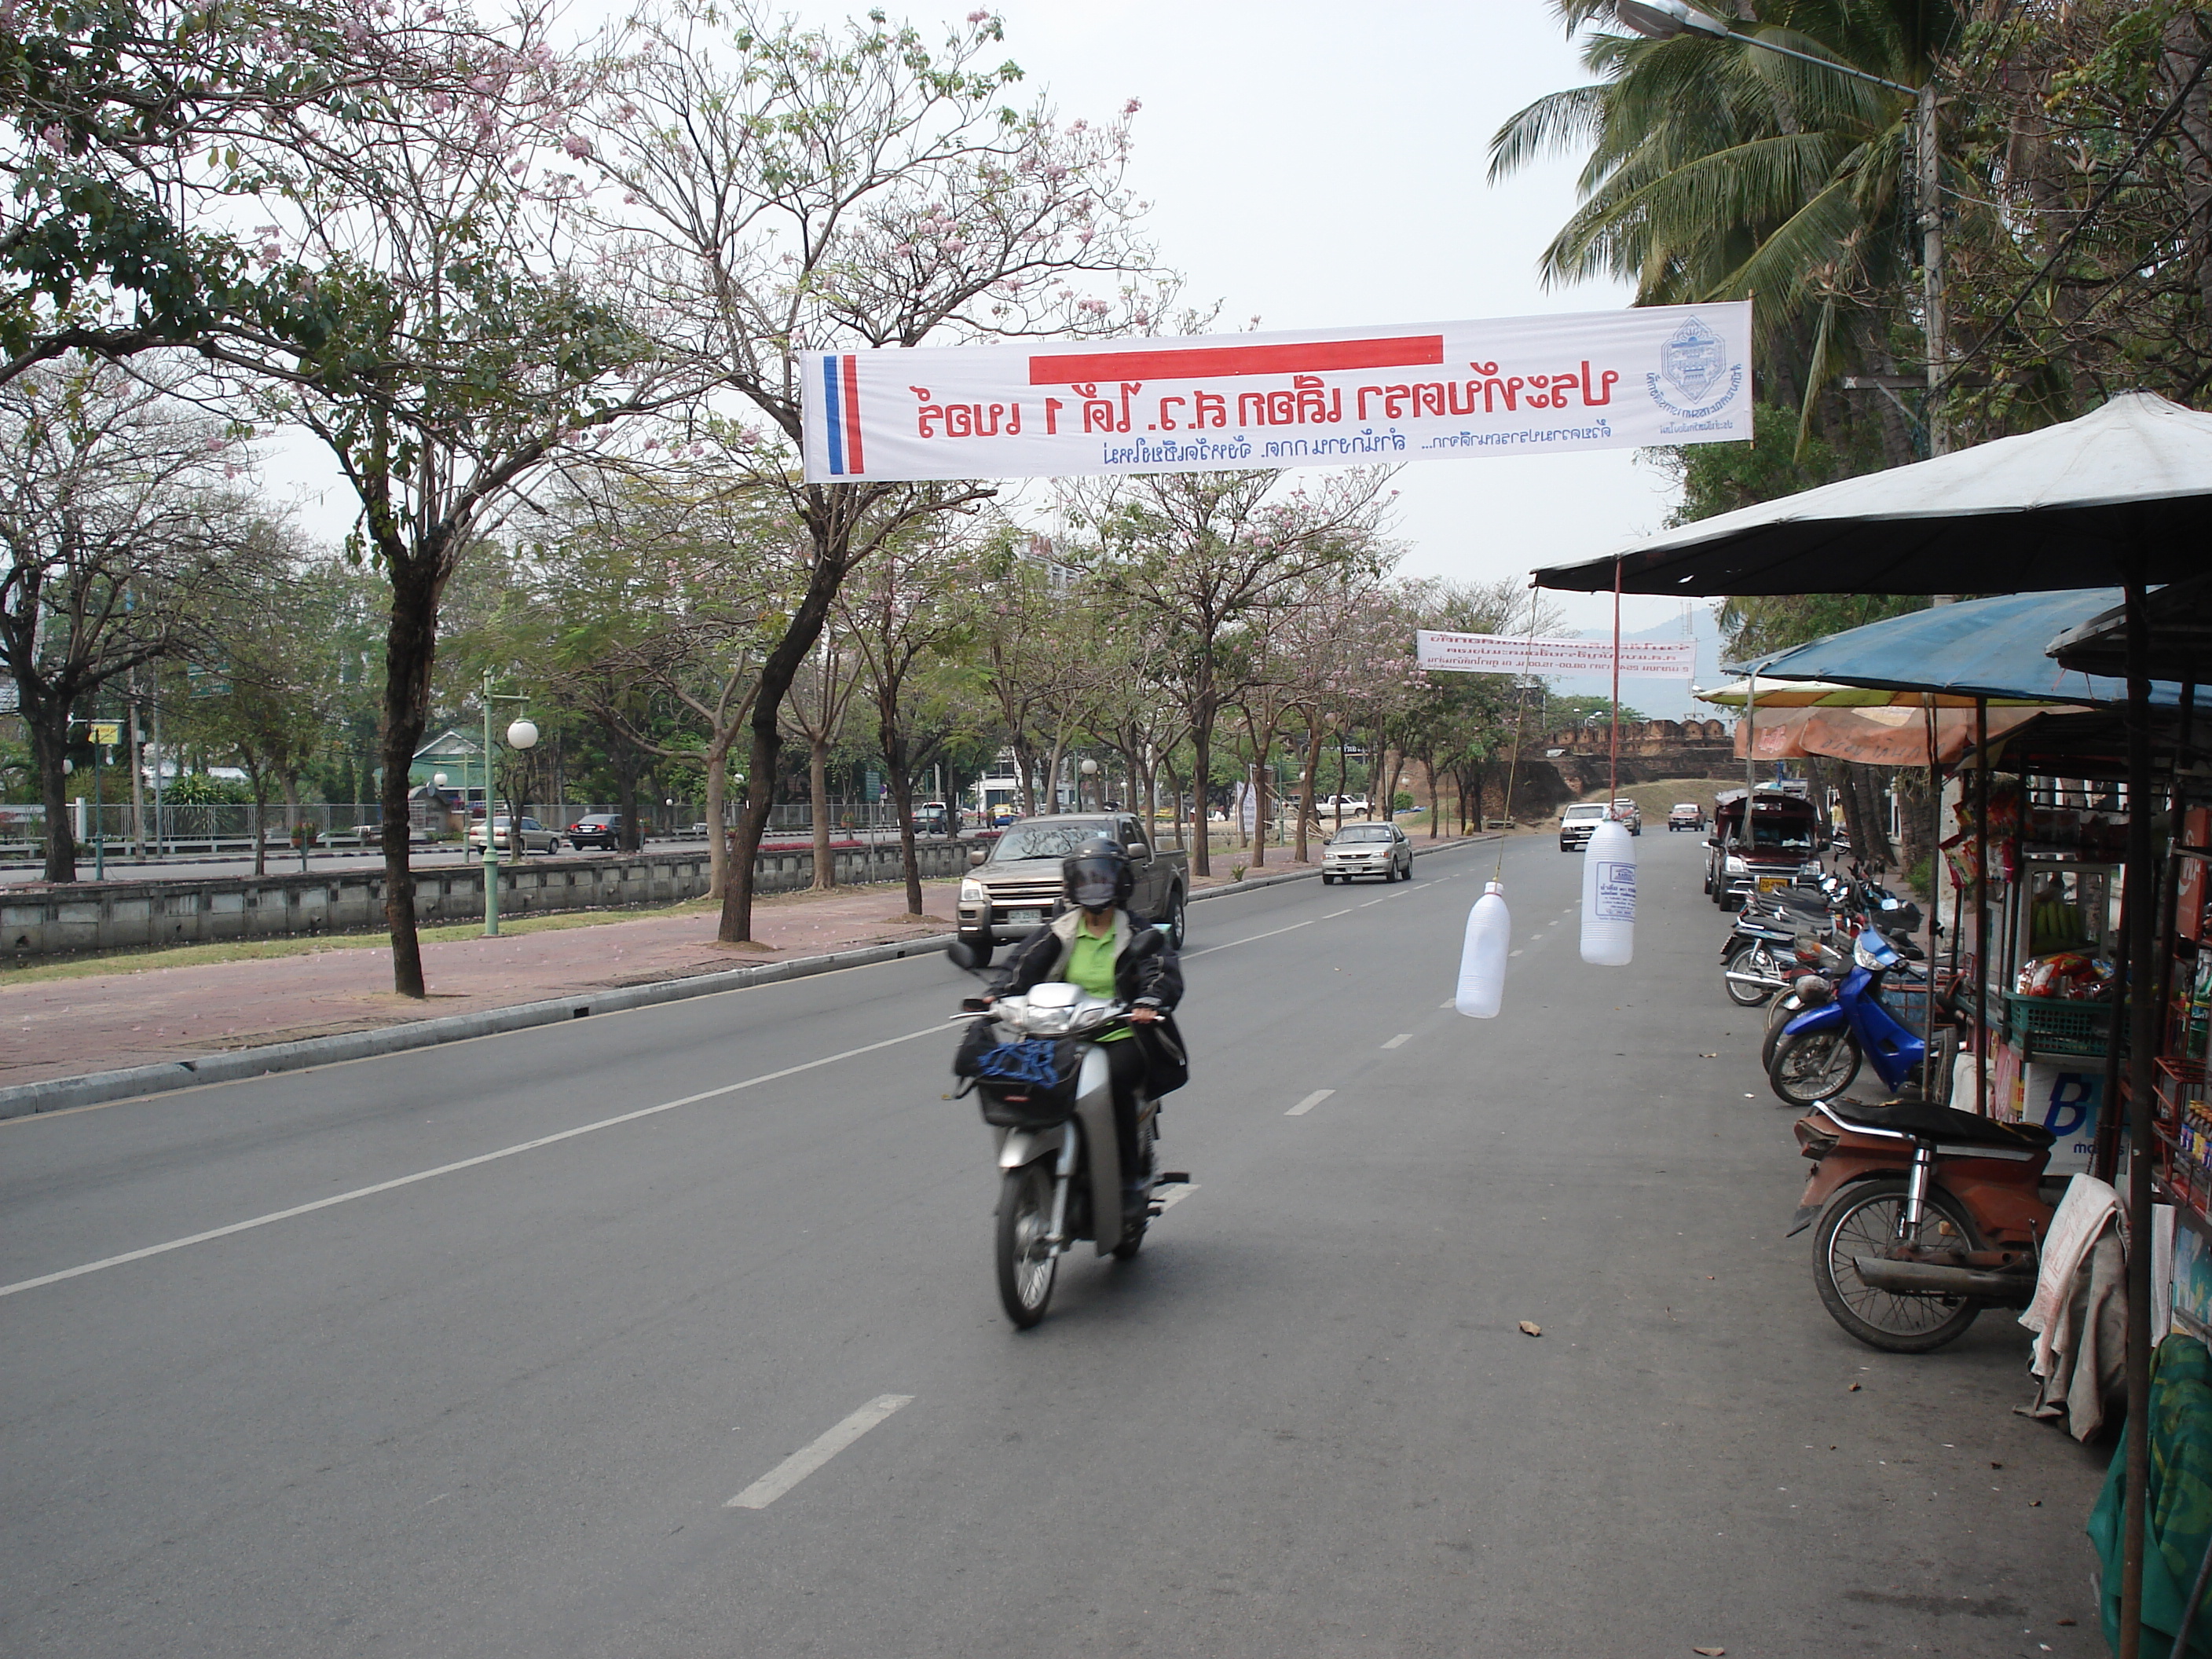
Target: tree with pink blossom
column 777, row 189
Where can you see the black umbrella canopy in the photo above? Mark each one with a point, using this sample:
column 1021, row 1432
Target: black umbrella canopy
column 2180, row 620
column 2123, row 493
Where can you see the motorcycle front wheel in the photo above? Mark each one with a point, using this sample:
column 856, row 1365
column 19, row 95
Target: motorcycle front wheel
column 1752, row 959
column 1862, row 1221
column 1779, row 1014
column 1813, row 1066
column 1027, row 1262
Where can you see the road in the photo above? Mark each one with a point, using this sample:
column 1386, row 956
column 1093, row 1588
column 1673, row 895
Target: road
column 468, row 1395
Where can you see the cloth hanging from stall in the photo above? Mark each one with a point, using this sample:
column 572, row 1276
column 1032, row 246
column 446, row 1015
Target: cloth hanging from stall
column 2177, row 1519
column 1873, row 737
column 2079, row 1311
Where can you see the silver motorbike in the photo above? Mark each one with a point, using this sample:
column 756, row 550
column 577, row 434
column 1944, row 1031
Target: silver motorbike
column 1059, row 1158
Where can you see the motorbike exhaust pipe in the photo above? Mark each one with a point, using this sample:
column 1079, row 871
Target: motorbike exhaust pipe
column 1754, row 981
column 2010, row 1289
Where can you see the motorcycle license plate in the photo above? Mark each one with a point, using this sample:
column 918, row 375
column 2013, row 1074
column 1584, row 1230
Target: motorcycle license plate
column 1024, row 918
column 1772, row 883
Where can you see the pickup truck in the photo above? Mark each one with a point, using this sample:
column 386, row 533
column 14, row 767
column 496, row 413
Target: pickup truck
column 1783, row 845
column 1014, row 887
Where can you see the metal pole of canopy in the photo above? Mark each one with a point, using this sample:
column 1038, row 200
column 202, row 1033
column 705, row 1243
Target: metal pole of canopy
column 1982, row 903
column 2142, row 1032
column 1929, row 1084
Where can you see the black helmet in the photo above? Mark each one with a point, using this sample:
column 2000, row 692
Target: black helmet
column 1097, row 874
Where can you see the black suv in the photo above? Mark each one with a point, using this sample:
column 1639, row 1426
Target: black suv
column 601, row 829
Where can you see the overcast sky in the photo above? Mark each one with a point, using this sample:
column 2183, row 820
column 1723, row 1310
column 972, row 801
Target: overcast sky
column 1322, row 166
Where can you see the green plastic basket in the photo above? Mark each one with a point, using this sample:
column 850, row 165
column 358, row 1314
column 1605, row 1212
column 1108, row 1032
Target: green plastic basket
column 2056, row 1025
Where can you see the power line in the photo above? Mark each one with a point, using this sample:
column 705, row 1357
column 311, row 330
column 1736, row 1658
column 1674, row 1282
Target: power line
column 2067, row 241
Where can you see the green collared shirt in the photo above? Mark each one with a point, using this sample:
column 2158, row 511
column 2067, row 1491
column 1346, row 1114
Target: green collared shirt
column 1090, row 965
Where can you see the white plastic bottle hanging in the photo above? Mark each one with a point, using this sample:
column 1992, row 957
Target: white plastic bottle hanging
column 1609, row 896
column 1482, row 959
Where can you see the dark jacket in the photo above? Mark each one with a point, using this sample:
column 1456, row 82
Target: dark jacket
column 1145, row 970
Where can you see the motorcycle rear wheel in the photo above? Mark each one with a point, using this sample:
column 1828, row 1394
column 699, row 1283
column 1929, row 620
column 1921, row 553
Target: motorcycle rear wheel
column 1862, row 1219
column 1813, row 1066
column 1752, row 959
column 1027, row 1263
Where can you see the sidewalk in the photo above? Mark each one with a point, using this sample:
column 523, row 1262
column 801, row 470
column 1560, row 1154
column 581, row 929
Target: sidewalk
column 146, row 1016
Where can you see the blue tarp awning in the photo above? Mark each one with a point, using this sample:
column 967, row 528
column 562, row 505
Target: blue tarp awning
column 1993, row 648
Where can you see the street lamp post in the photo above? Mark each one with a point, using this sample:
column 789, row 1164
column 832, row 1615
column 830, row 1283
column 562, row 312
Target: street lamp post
column 522, row 734
column 1663, row 20
column 1090, row 771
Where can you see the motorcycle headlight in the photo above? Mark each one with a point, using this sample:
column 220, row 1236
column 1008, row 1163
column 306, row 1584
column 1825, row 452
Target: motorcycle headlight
column 1736, row 867
column 973, row 891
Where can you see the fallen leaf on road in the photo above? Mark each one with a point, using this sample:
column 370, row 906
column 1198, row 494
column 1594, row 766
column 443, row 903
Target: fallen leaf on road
column 1709, row 1653
column 2035, row 1503
column 1854, row 1388
column 1996, row 1465
column 2065, row 1621
column 1706, row 1056
column 1530, row 1327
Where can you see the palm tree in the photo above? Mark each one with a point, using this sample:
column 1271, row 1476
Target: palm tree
column 1720, row 171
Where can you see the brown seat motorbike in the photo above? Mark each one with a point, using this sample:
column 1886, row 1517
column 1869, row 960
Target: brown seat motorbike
column 1925, row 1217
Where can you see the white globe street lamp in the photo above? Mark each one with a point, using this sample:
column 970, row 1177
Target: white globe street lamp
column 523, row 735
column 1090, row 770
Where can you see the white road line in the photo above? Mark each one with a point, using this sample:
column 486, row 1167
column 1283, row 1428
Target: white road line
column 802, row 1462
column 1334, row 915
column 1378, row 901
column 1402, row 1037
column 1451, row 1003
column 463, row 1163
column 1515, row 953
column 1234, row 943
column 1310, row 1103
column 1175, row 1194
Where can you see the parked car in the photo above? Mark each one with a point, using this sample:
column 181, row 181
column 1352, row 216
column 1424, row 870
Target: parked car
column 1353, row 806
column 532, row 837
column 1628, row 812
column 1015, row 887
column 1578, row 821
column 601, row 829
column 1685, row 815
column 1367, row 849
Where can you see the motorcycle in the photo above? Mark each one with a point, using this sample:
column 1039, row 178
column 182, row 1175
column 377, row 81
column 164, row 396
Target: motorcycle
column 1925, row 1217
column 1048, row 1098
column 1819, row 1052
column 1767, row 938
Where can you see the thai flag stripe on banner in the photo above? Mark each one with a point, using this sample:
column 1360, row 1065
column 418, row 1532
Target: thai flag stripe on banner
column 851, row 404
column 840, row 415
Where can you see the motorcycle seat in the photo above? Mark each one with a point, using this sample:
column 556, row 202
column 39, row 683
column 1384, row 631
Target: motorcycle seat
column 1944, row 1124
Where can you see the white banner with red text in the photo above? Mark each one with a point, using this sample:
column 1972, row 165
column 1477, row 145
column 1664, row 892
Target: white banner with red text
column 1523, row 653
column 1615, row 380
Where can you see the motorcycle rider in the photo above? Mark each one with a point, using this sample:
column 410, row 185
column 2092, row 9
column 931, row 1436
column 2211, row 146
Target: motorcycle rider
column 1095, row 943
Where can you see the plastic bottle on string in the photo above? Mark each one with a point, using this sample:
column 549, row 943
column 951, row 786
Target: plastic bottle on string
column 1482, row 959
column 1609, row 896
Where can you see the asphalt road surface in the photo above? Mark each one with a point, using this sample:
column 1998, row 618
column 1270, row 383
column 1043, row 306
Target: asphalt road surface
column 469, row 1352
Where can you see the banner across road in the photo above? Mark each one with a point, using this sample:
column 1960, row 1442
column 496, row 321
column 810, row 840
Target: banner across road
column 1616, row 380
column 1522, row 653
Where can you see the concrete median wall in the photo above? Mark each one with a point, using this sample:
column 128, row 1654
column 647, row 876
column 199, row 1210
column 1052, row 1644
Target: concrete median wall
column 122, row 915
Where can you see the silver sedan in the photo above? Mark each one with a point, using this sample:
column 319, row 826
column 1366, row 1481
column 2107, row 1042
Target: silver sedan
column 1368, row 849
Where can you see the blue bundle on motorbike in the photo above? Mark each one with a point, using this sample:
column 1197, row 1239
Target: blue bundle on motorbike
column 1029, row 1085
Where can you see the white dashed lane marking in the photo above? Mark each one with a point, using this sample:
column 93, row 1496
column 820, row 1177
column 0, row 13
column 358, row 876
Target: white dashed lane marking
column 1402, row 1037
column 808, row 1458
column 1310, row 1103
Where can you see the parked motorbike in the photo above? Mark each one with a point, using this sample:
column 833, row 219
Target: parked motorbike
column 1925, row 1217
column 1046, row 1092
column 1819, row 1054
column 1771, row 935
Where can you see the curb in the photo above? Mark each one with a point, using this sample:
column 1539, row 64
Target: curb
column 98, row 1088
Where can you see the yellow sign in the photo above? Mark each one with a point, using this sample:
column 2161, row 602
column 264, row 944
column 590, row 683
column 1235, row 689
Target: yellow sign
column 104, row 730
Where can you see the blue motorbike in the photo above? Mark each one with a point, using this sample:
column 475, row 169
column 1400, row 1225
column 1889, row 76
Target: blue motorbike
column 1819, row 1052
